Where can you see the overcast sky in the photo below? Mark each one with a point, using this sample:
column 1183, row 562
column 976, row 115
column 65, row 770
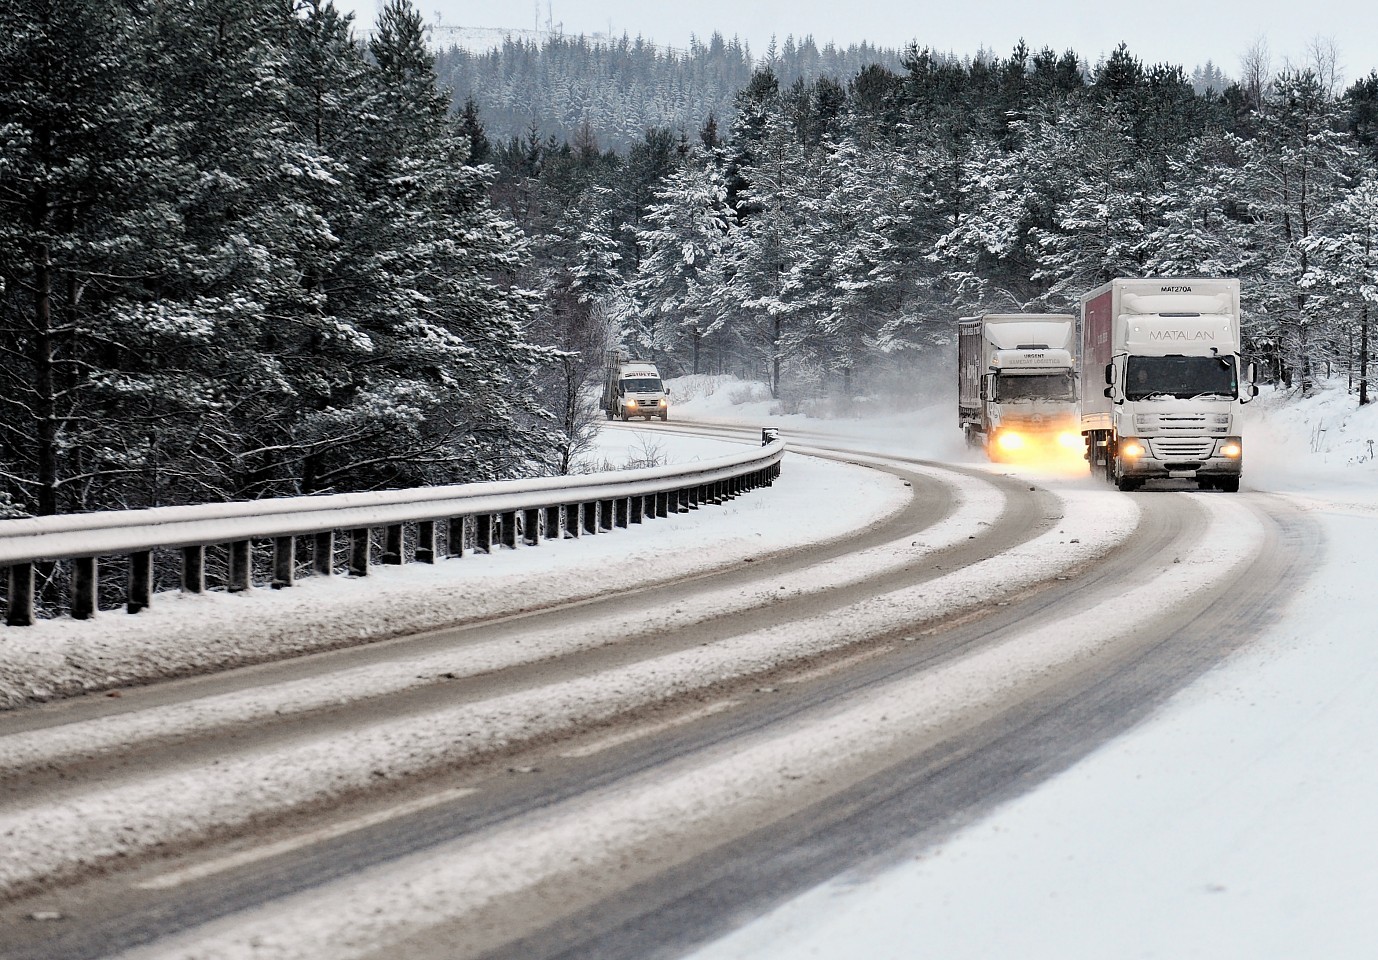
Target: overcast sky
column 1188, row 32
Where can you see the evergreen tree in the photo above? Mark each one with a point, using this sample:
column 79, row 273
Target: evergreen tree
column 1288, row 183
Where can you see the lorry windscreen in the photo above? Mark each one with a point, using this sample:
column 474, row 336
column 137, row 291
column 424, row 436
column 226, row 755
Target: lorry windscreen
column 1183, row 377
column 1034, row 386
column 641, row 385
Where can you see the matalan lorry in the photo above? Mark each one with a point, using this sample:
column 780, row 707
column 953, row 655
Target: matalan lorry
column 1015, row 391
column 633, row 388
column 1161, row 382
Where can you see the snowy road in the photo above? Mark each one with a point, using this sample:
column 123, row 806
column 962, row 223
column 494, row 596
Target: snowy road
column 634, row 771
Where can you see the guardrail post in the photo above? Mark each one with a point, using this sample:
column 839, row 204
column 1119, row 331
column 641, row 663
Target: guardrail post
column 509, row 529
column 454, row 537
column 323, row 554
column 140, row 592
column 531, row 526
column 284, row 562
column 194, row 569
column 85, row 571
column 483, row 533
column 392, row 544
column 241, row 576
column 425, row 541
column 359, row 542
column 20, row 612
column 552, row 526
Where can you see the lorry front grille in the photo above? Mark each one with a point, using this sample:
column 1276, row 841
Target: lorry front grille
column 1184, row 448
column 1181, row 424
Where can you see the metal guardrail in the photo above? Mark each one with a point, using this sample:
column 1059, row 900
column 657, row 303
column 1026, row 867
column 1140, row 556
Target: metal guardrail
column 486, row 515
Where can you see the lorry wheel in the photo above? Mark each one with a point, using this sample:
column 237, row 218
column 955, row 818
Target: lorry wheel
column 608, row 414
column 1228, row 484
column 624, row 416
column 665, row 416
column 1123, row 482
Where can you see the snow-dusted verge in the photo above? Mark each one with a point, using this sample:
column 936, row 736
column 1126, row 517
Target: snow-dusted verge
column 653, row 818
column 181, row 634
column 63, row 838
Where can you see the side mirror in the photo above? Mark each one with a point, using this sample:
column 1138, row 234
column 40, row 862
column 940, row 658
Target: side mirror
column 1251, row 388
column 1110, row 374
column 1109, row 391
column 667, row 391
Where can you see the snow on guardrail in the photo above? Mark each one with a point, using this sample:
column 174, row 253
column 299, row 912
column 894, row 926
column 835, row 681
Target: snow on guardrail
column 477, row 516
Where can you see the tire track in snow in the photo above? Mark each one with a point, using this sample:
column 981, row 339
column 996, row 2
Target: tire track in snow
column 545, row 861
column 65, row 837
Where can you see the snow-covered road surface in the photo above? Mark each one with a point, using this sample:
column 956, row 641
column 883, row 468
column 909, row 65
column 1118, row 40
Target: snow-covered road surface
column 629, row 750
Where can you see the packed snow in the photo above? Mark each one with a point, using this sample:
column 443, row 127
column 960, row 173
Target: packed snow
column 1232, row 823
column 1237, row 822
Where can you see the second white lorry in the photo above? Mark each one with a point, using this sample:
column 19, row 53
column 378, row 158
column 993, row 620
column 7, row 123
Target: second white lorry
column 1015, row 392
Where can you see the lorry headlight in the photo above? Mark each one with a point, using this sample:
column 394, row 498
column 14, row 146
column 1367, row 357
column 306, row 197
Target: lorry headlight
column 1232, row 448
column 1069, row 440
column 664, row 402
column 631, row 402
column 1010, row 441
column 1132, row 448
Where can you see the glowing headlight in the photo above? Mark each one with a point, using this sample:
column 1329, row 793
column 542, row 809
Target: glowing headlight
column 1071, row 441
column 631, row 402
column 1231, row 448
column 1132, row 448
column 1010, row 441
column 664, row 402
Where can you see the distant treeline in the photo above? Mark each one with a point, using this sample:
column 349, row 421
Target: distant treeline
column 572, row 87
column 825, row 233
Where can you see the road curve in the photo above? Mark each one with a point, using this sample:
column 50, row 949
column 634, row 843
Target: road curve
column 632, row 776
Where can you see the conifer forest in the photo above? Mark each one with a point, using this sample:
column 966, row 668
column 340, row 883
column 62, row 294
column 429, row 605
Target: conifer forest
column 248, row 251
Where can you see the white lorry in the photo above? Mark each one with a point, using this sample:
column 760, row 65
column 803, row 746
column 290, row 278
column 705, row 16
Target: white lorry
column 1161, row 381
column 633, row 388
column 1015, row 391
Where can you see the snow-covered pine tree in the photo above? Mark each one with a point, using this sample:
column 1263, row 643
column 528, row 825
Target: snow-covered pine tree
column 84, row 220
column 1288, row 183
column 1345, row 261
column 681, row 243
